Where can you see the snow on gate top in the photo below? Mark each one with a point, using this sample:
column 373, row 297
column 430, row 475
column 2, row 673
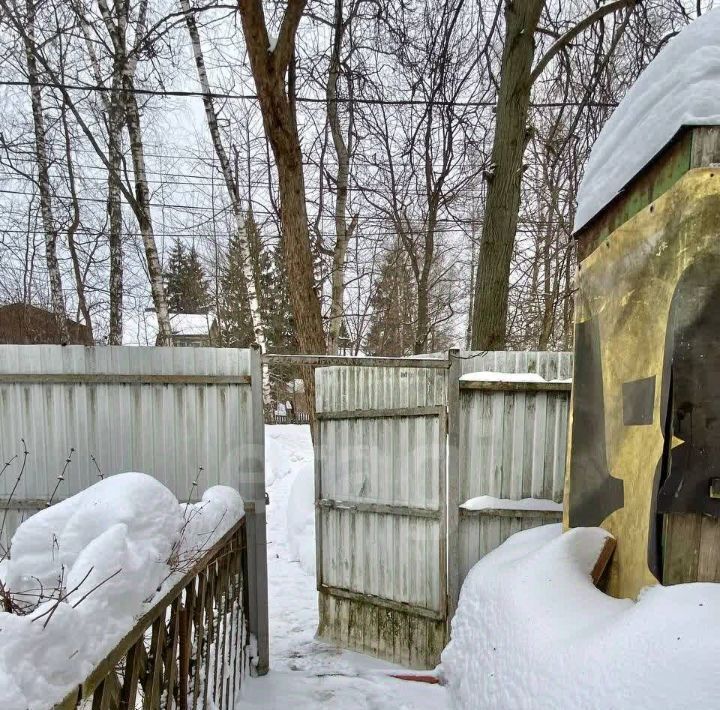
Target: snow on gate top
column 680, row 87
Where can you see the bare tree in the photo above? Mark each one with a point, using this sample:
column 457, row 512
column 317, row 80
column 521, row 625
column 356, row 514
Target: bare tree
column 517, row 77
column 231, row 184
column 43, row 175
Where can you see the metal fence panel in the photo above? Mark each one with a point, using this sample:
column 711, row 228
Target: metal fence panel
column 381, row 513
column 179, row 414
column 511, row 444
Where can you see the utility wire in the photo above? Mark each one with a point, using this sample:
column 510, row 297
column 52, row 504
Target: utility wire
column 168, row 93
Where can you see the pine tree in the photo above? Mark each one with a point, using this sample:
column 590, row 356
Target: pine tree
column 282, row 337
column 234, row 307
column 186, row 285
column 392, row 321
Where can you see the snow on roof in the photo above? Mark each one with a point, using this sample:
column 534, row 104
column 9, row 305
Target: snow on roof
column 142, row 328
column 491, row 503
column 680, row 87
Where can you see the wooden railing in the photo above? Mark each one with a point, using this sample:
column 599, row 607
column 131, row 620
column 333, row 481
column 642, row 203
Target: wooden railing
column 190, row 650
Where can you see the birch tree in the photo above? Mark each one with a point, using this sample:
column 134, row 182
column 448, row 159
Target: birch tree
column 57, row 297
column 231, row 184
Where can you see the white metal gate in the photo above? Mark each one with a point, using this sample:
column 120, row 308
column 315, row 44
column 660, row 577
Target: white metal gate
column 381, row 514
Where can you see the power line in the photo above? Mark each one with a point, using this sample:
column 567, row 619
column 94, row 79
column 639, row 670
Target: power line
column 178, row 93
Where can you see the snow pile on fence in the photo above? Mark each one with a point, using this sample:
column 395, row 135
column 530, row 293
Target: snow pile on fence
column 531, row 631
column 492, row 503
column 509, row 377
column 679, row 87
column 81, row 571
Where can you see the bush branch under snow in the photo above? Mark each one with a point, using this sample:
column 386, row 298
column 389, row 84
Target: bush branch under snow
column 83, row 570
column 532, row 631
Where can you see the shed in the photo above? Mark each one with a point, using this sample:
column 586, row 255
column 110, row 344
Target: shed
column 644, row 454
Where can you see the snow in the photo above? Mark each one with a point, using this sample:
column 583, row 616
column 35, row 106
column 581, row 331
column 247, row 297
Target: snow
column 306, row 672
column 502, row 377
column 301, row 517
column 106, row 549
column 532, row 631
column 491, row 503
column 286, row 447
column 678, row 88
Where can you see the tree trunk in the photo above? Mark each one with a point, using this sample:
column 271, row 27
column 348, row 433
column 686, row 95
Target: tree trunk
column 248, row 272
column 73, row 227
column 114, row 112
column 505, row 176
column 143, row 215
column 115, row 125
column 270, row 68
column 343, row 234
column 57, row 297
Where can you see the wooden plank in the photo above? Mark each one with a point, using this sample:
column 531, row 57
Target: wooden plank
column 340, row 360
column 551, row 515
column 381, row 508
column 497, row 386
column 382, row 413
column 384, row 602
column 128, row 693
column 603, row 560
column 153, row 678
column 709, row 554
column 681, row 547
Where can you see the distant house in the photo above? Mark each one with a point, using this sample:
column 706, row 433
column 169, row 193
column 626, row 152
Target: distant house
column 25, row 324
column 194, row 330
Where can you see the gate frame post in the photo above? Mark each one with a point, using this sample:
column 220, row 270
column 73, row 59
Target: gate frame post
column 258, row 621
column 453, row 483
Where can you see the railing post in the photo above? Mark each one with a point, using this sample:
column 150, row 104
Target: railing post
column 453, row 482
column 257, row 539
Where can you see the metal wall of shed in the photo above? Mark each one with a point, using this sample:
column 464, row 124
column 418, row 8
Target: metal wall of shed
column 395, row 461
column 167, row 430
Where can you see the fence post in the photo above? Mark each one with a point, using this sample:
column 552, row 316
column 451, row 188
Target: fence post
column 257, row 536
column 453, row 482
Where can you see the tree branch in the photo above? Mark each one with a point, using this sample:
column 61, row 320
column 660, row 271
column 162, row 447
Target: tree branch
column 581, row 26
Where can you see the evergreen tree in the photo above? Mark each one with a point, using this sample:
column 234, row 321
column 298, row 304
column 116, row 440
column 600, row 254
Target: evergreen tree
column 282, row 337
column 392, row 322
column 234, row 307
column 186, row 285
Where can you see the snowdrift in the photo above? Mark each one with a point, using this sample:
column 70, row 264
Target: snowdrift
column 105, row 553
column 532, row 631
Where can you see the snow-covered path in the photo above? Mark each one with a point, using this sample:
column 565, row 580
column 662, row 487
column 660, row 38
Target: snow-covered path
column 306, row 673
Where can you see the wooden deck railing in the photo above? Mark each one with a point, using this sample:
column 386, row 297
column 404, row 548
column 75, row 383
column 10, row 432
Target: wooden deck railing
column 189, row 650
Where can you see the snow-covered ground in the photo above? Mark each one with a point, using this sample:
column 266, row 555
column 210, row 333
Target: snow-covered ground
column 306, row 673
column 533, row 632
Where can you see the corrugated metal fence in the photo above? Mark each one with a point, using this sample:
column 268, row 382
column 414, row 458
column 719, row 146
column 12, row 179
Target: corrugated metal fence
column 179, row 414
column 381, row 513
column 394, row 542
column 511, row 442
